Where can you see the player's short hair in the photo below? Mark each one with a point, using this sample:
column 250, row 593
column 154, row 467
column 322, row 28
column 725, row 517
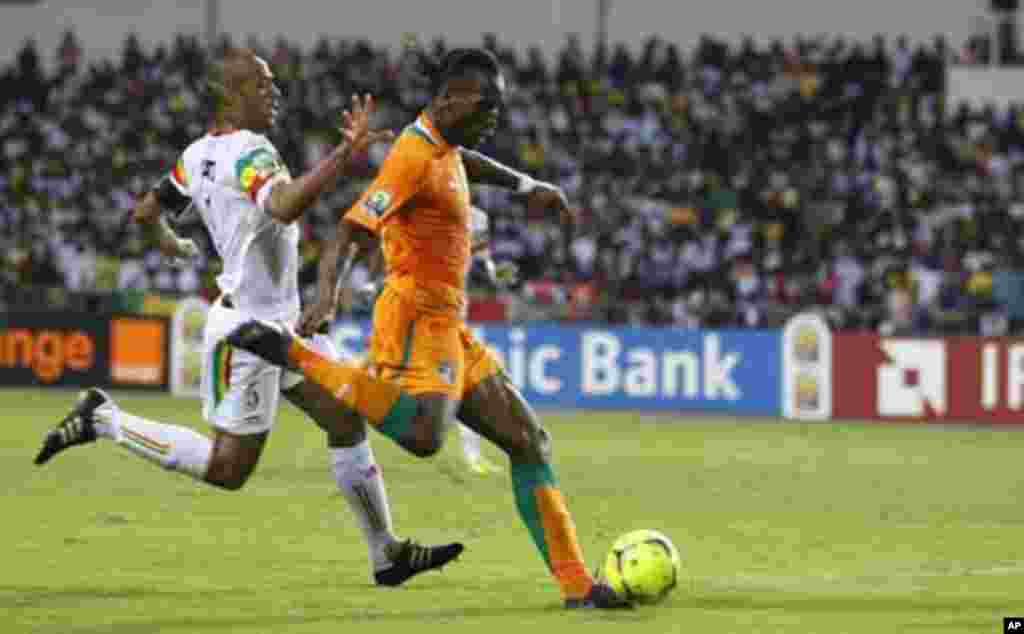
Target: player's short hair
column 457, row 62
column 460, row 60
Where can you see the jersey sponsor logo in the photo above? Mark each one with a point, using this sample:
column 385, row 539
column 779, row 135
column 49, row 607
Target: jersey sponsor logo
column 378, row 202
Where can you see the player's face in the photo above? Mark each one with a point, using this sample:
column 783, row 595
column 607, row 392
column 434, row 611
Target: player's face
column 262, row 98
column 486, row 99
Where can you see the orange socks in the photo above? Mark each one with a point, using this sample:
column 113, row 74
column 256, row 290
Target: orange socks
column 544, row 512
column 563, row 546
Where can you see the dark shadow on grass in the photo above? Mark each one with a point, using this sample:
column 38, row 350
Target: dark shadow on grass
column 29, row 596
column 355, row 616
column 863, row 603
column 17, row 596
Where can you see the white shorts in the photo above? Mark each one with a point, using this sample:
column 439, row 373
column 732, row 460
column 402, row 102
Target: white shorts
column 240, row 390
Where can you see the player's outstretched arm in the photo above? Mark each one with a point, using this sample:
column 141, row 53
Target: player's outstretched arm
column 354, row 242
column 289, row 199
column 484, row 170
column 148, row 214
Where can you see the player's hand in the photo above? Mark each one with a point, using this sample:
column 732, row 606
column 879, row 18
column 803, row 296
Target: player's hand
column 506, row 274
column 315, row 316
column 355, row 126
column 546, row 197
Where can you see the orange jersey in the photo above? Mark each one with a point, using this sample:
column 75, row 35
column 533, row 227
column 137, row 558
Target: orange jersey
column 419, row 205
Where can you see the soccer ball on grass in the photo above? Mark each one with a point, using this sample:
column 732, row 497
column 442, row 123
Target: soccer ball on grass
column 643, row 566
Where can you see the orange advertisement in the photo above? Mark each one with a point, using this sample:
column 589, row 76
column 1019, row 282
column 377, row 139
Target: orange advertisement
column 137, row 350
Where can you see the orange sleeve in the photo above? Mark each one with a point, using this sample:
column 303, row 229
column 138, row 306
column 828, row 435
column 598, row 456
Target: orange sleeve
column 399, row 179
column 358, row 215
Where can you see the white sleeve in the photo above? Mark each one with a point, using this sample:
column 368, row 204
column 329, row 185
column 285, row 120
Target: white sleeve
column 478, row 229
column 263, row 195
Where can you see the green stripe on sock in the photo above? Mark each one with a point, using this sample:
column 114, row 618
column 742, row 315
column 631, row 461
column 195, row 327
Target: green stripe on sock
column 397, row 425
column 217, row 383
column 526, row 478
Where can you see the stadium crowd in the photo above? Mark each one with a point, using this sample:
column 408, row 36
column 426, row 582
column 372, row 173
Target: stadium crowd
column 724, row 185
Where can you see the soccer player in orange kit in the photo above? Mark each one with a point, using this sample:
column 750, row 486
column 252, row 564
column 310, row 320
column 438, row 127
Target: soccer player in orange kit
column 428, row 367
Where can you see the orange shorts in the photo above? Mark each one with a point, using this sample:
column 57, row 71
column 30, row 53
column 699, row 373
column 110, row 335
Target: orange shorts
column 481, row 362
column 427, row 351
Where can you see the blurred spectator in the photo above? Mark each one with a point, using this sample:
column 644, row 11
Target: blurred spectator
column 719, row 186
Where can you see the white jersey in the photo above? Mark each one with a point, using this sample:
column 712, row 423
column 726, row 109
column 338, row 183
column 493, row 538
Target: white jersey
column 479, row 238
column 229, row 177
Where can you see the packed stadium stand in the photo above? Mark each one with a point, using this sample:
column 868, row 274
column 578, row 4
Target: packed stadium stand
column 728, row 185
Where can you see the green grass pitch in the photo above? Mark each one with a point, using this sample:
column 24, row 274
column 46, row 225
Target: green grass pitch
column 800, row 528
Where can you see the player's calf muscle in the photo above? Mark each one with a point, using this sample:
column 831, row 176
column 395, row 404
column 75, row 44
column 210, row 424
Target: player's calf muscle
column 234, row 460
column 497, row 410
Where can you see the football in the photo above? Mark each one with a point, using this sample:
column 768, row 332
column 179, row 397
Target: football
column 643, row 566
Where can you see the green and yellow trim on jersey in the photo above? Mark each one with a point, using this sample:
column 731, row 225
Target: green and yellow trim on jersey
column 418, row 129
column 179, row 175
column 256, row 167
column 221, row 371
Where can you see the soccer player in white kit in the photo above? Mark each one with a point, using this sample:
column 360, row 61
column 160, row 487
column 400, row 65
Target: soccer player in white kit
column 235, row 179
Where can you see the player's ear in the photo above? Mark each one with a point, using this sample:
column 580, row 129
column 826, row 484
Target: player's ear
column 449, row 108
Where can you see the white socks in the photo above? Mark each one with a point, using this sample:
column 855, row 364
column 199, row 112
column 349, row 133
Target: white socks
column 186, row 451
column 359, row 478
column 470, row 443
column 172, row 447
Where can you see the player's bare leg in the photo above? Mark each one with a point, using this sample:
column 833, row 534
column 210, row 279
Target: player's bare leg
column 361, row 482
column 496, row 410
column 223, row 460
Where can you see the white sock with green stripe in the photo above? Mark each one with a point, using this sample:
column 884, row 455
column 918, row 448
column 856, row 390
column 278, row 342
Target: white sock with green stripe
column 176, row 448
column 360, row 481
